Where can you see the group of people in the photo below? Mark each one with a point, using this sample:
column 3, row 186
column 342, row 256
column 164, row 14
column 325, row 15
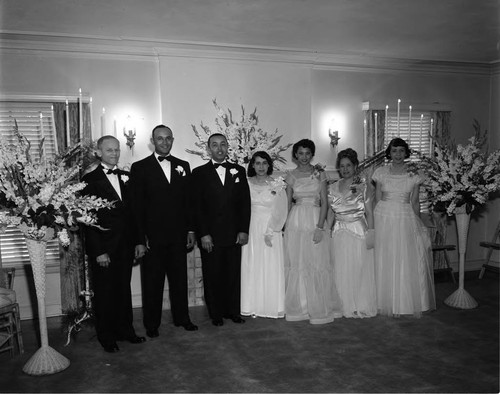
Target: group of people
column 297, row 247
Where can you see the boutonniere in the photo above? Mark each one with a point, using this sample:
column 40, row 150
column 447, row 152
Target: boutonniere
column 124, row 178
column 180, row 170
column 234, row 173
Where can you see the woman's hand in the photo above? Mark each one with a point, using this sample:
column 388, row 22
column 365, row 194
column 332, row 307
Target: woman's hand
column 318, row 235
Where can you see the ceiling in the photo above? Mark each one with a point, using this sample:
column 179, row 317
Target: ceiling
column 428, row 30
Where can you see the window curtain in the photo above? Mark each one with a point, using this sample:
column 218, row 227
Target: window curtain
column 72, row 258
column 440, row 220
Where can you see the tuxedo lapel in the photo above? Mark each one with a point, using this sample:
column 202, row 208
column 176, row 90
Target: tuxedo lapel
column 108, row 190
column 156, row 168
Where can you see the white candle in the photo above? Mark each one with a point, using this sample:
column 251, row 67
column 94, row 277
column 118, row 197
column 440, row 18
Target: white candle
column 399, row 102
column 42, row 152
column 114, row 127
column 376, row 134
column 103, row 122
column 90, row 117
column 409, row 126
column 432, row 135
column 421, row 128
column 53, row 122
column 68, row 135
column 365, row 138
column 386, row 130
column 80, row 114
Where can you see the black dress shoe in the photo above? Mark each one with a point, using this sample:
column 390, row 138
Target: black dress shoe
column 217, row 322
column 152, row 333
column 111, row 347
column 136, row 339
column 236, row 319
column 189, row 326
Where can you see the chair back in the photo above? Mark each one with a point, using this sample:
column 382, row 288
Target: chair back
column 7, row 277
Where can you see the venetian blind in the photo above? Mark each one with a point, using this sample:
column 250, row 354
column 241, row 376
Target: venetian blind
column 35, row 120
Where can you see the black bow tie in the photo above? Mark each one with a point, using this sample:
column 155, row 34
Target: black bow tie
column 115, row 172
column 161, row 158
column 217, row 165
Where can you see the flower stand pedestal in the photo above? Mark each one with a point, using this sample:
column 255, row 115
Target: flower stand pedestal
column 461, row 298
column 46, row 360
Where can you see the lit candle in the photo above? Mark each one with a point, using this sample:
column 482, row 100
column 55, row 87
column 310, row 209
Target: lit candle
column 399, row 102
column 114, row 127
column 80, row 114
column 376, row 134
column 68, row 135
column 90, row 117
column 409, row 126
column 421, row 130
column 103, row 122
column 432, row 135
column 42, row 151
column 386, row 130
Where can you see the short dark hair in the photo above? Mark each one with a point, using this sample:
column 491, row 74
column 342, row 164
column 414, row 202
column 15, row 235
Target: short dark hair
column 397, row 142
column 105, row 138
column 160, row 126
column 215, row 135
column 350, row 154
column 262, row 155
column 305, row 143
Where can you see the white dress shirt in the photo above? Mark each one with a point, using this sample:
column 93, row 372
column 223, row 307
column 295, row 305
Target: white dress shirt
column 165, row 166
column 221, row 171
column 113, row 179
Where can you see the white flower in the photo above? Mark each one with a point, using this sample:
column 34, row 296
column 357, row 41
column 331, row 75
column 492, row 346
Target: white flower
column 233, row 171
column 64, row 238
column 180, row 170
column 124, row 178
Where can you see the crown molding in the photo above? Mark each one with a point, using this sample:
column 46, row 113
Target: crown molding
column 132, row 48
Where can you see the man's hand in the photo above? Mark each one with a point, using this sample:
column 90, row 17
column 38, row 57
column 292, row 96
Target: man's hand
column 242, row 238
column 191, row 239
column 207, row 243
column 103, row 260
column 140, row 251
column 268, row 239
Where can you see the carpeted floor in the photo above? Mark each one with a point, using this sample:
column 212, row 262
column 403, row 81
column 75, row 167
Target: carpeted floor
column 448, row 350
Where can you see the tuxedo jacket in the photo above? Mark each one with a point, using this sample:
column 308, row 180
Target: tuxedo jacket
column 161, row 208
column 116, row 222
column 222, row 211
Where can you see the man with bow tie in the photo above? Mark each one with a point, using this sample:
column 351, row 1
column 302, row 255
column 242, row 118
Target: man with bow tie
column 160, row 186
column 222, row 204
column 110, row 249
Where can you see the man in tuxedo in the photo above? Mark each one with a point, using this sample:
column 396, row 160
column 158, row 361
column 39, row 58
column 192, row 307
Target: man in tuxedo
column 110, row 249
column 222, row 204
column 160, row 186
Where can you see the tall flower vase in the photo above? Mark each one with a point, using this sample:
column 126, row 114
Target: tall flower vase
column 461, row 298
column 46, row 360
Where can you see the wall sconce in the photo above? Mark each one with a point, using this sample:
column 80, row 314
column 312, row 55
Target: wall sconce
column 129, row 133
column 334, row 137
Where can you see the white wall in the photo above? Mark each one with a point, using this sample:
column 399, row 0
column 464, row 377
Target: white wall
column 296, row 98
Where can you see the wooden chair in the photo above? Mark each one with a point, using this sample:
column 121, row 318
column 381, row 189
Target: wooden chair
column 444, row 249
column 10, row 321
column 490, row 246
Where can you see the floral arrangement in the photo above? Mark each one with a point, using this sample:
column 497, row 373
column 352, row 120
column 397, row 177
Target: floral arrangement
column 460, row 175
column 43, row 197
column 318, row 168
column 244, row 137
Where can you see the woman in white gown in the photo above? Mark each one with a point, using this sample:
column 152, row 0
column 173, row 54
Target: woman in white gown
column 403, row 258
column 352, row 239
column 262, row 263
column 310, row 291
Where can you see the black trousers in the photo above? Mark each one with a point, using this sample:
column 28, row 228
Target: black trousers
column 112, row 301
column 222, row 280
column 161, row 260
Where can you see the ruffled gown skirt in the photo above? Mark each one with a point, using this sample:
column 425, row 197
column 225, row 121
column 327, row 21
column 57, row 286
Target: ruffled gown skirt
column 310, row 290
column 403, row 261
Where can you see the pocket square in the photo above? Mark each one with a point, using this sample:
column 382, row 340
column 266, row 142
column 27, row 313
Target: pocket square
column 237, row 180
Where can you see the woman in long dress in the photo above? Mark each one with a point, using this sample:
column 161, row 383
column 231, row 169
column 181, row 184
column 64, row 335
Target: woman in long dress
column 262, row 264
column 352, row 239
column 310, row 292
column 403, row 256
